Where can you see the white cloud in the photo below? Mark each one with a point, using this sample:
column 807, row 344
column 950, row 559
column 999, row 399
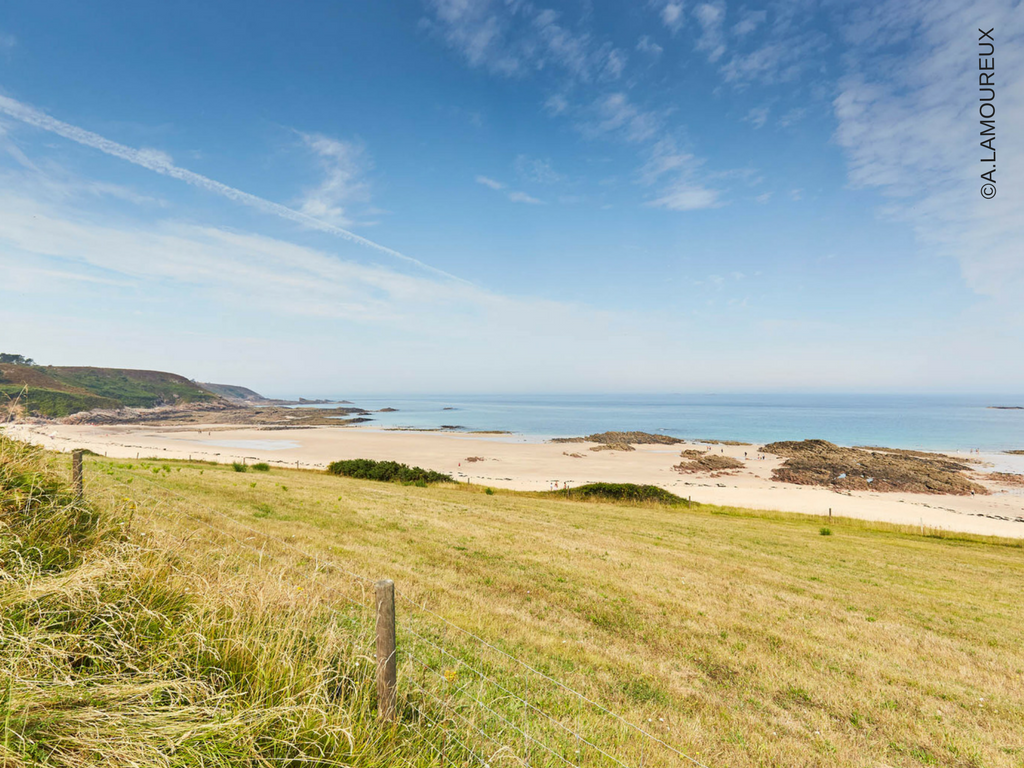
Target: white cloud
column 343, row 164
column 686, row 197
column 792, row 117
column 764, row 197
column 676, row 172
column 475, row 29
column 517, row 38
column 913, row 132
column 614, row 64
column 666, row 158
column 515, row 197
column 781, row 58
column 522, row 197
column 711, row 17
column 161, row 163
column 488, row 182
column 672, row 15
column 749, row 21
column 556, row 104
column 615, row 114
column 537, row 170
column 757, row 116
column 490, row 33
column 646, row 45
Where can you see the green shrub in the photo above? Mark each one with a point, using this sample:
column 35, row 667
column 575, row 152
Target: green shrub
column 261, row 467
column 826, row 531
column 239, row 466
column 489, row 491
column 621, row 492
column 386, row 471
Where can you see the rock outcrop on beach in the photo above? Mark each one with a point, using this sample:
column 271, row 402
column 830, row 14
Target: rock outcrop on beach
column 701, row 461
column 819, row 462
column 222, row 412
column 621, row 438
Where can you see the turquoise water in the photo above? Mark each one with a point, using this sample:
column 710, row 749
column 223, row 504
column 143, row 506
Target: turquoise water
column 897, row 421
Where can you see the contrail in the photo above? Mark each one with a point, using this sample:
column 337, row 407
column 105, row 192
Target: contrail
column 156, row 161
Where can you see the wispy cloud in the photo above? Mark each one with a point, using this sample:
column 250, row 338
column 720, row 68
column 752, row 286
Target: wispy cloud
column 537, row 170
column 513, row 196
column 522, row 197
column 683, row 196
column 488, row 182
column 646, row 45
column 614, row 114
column 749, row 21
column 757, row 116
column 343, row 164
column 556, row 104
column 792, row 117
column 516, row 38
column 160, row 162
column 677, row 174
column 711, row 17
column 672, row 15
column 788, row 47
column 908, row 133
column 7, row 41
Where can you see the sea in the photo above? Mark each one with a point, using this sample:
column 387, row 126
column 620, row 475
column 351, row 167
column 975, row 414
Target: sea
column 925, row 422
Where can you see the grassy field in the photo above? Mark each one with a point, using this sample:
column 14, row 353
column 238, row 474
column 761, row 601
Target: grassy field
column 738, row 638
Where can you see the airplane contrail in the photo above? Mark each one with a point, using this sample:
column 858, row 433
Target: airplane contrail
column 156, row 161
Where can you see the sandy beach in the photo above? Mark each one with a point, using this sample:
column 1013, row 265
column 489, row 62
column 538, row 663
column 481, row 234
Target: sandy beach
column 523, row 463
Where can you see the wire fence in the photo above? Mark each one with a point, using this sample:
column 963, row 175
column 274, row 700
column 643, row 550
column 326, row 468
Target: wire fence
column 486, row 706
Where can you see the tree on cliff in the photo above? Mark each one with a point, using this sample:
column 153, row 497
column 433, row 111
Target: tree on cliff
column 6, row 357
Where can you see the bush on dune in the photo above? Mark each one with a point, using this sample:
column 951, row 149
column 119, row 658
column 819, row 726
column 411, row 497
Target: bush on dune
column 386, row 471
column 629, row 492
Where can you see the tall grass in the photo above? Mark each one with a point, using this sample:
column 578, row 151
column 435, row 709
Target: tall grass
column 117, row 649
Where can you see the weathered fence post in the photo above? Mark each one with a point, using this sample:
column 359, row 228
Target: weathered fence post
column 76, row 472
column 387, row 661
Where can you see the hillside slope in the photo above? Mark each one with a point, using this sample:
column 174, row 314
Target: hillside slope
column 56, row 391
column 234, row 392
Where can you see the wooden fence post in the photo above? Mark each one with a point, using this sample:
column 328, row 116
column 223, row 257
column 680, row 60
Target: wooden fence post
column 76, row 472
column 387, row 661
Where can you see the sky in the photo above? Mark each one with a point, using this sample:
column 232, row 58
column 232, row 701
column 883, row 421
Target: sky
column 501, row 196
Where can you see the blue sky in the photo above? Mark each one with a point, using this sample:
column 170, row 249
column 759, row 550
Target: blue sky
column 506, row 196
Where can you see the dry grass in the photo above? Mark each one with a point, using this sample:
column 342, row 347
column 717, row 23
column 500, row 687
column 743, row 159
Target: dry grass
column 127, row 640
column 743, row 638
